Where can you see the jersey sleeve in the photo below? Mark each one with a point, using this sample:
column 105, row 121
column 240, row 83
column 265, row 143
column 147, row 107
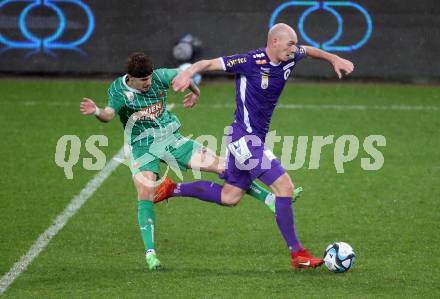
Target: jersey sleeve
column 236, row 64
column 300, row 53
column 115, row 100
column 164, row 77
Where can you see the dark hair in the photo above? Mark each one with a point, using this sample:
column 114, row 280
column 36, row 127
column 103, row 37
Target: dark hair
column 139, row 65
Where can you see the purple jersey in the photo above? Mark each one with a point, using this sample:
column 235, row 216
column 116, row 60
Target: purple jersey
column 259, row 84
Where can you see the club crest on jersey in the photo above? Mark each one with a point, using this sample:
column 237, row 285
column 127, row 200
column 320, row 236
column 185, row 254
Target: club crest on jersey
column 262, row 61
column 264, row 81
column 129, row 95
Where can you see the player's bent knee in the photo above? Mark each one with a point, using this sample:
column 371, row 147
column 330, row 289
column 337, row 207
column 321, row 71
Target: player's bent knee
column 230, row 201
column 289, row 188
column 231, row 195
column 283, row 186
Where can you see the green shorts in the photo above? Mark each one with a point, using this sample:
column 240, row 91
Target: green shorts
column 175, row 150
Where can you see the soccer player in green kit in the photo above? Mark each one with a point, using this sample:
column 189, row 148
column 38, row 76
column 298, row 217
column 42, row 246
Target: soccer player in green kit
column 140, row 100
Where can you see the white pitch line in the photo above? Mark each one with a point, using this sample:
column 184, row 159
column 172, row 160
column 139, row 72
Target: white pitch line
column 61, row 220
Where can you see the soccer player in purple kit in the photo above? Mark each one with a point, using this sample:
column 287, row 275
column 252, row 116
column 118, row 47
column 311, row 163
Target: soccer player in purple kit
column 260, row 78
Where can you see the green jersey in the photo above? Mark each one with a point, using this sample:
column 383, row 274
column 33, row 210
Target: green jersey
column 144, row 114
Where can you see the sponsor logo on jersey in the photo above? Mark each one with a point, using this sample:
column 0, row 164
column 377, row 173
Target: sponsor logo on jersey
column 232, row 62
column 262, row 61
column 258, row 55
column 152, row 111
column 129, row 95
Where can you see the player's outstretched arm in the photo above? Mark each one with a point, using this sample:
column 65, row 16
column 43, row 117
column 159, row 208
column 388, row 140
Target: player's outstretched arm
column 340, row 65
column 88, row 107
column 183, row 79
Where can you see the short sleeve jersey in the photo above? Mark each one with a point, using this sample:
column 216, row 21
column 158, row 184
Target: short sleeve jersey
column 126, row 101
column 259, row 84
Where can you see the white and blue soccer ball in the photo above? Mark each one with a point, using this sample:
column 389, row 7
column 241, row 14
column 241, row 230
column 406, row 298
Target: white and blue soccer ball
column 339, row 257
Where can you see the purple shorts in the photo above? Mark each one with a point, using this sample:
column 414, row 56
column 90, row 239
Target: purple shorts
column 248, row 159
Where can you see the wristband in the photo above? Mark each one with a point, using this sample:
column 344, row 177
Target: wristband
column 97, row 111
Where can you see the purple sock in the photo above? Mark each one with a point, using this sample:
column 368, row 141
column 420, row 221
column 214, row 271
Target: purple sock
column 203, row 190
column 286, row 224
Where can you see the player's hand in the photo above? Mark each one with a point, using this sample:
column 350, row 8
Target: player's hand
column 87, row 106
column 182, row 81
column 190, row 100
column 342, row 66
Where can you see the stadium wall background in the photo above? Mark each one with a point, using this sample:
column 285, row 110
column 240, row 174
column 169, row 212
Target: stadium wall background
column 404, row 42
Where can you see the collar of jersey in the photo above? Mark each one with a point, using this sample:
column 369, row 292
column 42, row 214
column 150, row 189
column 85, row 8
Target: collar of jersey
column 270, row 62
column 128, row 87
column 275, row 64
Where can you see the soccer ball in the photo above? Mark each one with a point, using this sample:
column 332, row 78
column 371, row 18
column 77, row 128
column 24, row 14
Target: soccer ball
column 339, row 257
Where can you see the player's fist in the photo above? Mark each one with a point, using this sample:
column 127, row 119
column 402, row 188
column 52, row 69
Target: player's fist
column 87, row 106
column 342, row 66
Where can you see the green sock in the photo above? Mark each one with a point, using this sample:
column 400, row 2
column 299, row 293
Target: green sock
column 147, row 219
column 258, row 192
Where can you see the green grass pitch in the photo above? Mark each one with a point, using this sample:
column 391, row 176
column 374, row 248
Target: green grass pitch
column 390, row 217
